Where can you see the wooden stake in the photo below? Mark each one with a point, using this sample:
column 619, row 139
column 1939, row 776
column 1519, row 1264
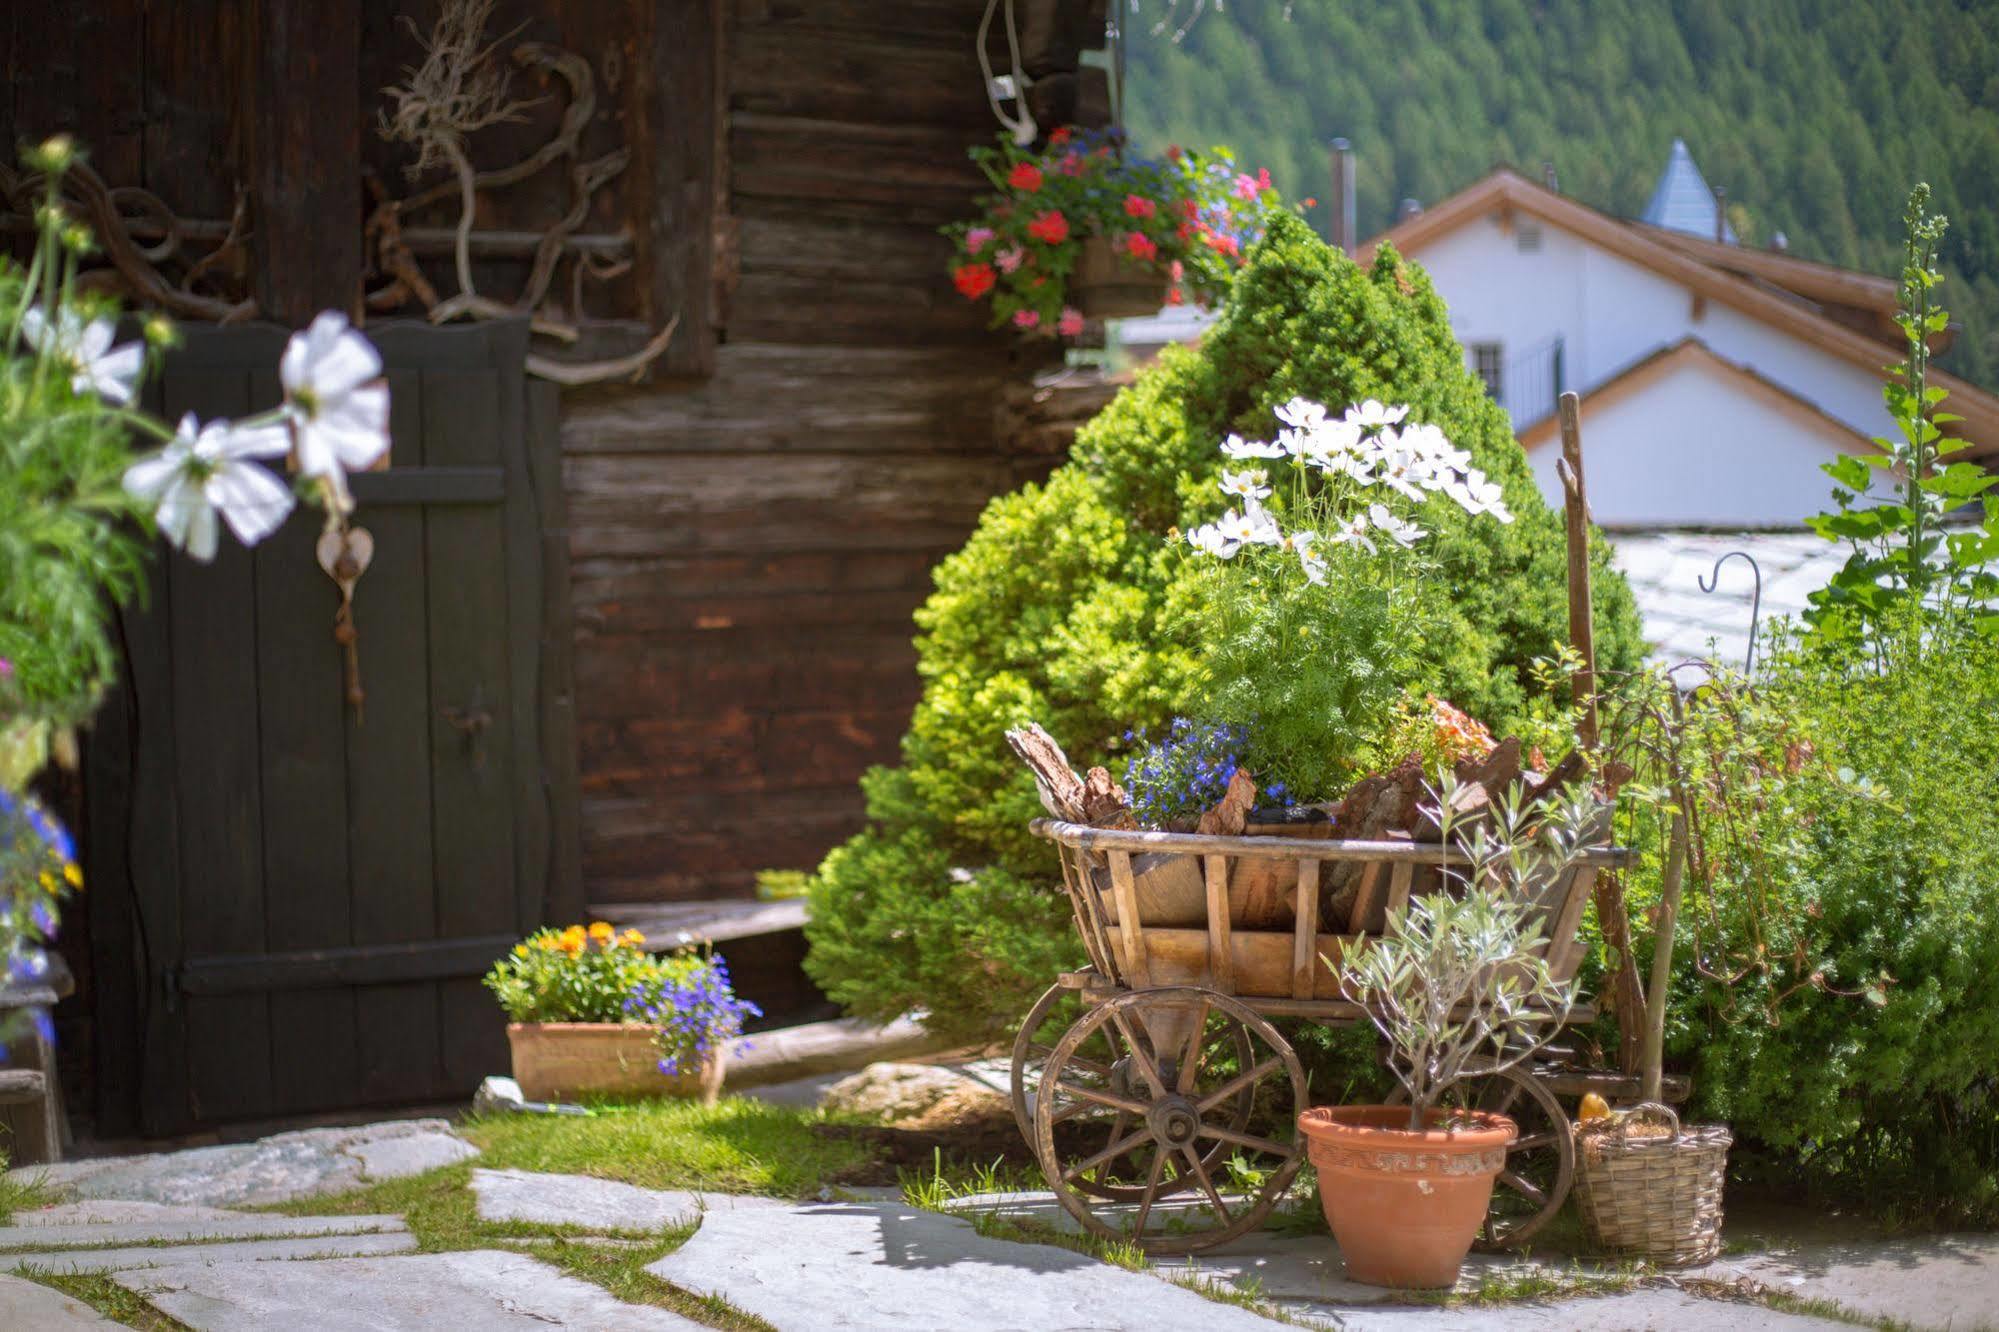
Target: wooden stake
column 1575, row 504
column 1652, row 1057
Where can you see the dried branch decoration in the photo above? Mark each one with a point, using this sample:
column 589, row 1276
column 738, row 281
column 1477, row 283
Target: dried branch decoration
column 459, row 88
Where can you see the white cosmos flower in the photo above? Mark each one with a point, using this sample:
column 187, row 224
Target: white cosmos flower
column 1399, row 530
column 1210, row 540
column 1240, row 449
column 338, row 404
column 1313, row 563
column 1403, row 472
column 1372, row 414
column 1302, row 414
column 1251, row 525
column 95, row 366
column 1353, row 531
column 1479, row 495
column 1324, row 445
column 1247, row 484
column 205, row 470
column 1432, row 443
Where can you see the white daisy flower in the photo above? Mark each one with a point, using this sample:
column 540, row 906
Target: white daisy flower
column 205, row 471
column 85, row 350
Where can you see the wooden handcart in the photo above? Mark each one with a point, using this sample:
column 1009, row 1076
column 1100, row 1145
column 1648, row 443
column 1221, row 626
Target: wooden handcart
column 1152, row 1115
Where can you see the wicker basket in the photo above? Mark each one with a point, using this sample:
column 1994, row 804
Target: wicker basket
column 1653, row 1197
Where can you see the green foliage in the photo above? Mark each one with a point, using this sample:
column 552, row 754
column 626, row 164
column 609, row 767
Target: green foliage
column 575, row 975
column 1847, row 974
column 1806, row 112
column 1900, row 546
column 1066, row 607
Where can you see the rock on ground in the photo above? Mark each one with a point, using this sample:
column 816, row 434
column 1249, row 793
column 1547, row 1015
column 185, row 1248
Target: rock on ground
column 305, row 1164
column 916, row 1095
column 889, row 1268
column 488, row 1290
column 28, row 1304
column 594, row 1204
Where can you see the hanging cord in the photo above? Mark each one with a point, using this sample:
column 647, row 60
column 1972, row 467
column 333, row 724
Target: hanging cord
column 1021, row 126
column 1116, row 36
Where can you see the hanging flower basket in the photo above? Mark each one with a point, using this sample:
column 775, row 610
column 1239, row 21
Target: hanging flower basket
column 1650, row 1188
column 1108, row 285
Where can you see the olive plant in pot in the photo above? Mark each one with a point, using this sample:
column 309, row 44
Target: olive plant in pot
column 1459, row 988
column 591, row 1012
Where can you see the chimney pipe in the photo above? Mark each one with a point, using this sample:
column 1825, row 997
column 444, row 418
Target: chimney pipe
column 1548, row 177
column 1343, row 226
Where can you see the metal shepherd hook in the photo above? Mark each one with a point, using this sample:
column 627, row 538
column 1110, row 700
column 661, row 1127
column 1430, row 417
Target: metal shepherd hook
column 1713, row 580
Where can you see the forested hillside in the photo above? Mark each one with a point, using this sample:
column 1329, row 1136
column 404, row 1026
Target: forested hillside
column 1815, row 115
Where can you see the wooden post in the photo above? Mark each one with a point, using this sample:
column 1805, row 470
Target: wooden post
column 303, row 123
column 1651, row 1057
column 1575, row 505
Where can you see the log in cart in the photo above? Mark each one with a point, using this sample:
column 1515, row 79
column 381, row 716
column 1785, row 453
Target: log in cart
column 1161, row 1114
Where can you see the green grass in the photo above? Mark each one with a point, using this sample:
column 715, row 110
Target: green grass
column 734, row 1146
column 21, row 1195
column 109, row 1298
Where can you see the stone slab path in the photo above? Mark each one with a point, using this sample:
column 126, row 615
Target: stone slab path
column 1649, row 1310
column 27, row 1304
column 598, row 1205
column 235, row 1254
column 1934, row 1281
column 310, row 1163
column 488, row 1290
column 884, row 1267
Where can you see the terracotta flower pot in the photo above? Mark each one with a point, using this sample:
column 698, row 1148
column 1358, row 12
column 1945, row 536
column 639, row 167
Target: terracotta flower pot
column 1404, row 1206
column 1109, row 285
column 561, row 1061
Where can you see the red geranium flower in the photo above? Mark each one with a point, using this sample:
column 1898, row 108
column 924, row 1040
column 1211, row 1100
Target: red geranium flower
column 973, row 280
column 1051, row 228
column 1139, row 206
column 1024, row 176
column 1221, row 244
column 1060, row 136
column 1189, row 209
column 1140, row 246
column 1174, row 296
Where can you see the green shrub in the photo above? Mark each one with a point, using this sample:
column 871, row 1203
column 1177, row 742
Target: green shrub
column 1847, row 1017
column 1062, row 609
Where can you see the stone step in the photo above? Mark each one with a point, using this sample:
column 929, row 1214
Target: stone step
column 237, row 1227
column 207, row 1255
column 482, row 1289
column 27, row 1305
column 594, row 1204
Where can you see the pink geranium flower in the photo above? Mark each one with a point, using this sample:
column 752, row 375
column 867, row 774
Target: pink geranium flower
column 977, row 238
column 1026, row 319
column 1071, row 322
column 1009, row 260
column 1246, row 187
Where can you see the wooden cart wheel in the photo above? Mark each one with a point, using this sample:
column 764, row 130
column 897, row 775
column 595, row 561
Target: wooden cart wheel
column 1540, row 1164
column 1172, row 1118
column 1109, row 1050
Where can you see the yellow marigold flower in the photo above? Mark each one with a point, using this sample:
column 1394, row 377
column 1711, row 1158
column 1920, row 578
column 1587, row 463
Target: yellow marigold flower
column 632, row 937
column 72, row 875
column 601, row 932
column 48, row 881
column 520, row 950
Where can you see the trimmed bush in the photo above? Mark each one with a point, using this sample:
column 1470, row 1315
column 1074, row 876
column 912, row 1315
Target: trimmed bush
column 1067, row 606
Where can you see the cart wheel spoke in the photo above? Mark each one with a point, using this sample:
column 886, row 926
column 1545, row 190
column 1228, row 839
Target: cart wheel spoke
column 1207, row 1184
column 1151, row 1188
column 1237, row 1083
column 1142, row 1061
column 1115, row 1102
column 1111, row 1153
column 1190, row 1058
column 1248, row 1140
column 1532, row 1143
column 1520, row 1184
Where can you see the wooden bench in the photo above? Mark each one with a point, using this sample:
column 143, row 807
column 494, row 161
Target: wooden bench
column 31, row 1113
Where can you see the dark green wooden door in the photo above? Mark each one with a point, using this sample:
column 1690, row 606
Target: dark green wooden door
column 294, row 903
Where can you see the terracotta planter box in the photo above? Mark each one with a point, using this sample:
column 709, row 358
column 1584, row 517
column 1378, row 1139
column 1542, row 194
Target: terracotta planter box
column 562, row 1061
column 1107, row 285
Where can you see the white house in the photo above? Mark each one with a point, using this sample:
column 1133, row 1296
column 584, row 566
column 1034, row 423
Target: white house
column 1715, row 377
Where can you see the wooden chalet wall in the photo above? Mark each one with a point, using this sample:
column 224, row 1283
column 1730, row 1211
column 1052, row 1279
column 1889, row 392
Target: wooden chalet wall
column 747, row 550
column 752, row 527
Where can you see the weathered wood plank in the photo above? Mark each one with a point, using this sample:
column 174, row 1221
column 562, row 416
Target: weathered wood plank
column 1137, row 965
column 1305, row 964
column 303, row 125
column 680, row 152
column 1221, row 951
